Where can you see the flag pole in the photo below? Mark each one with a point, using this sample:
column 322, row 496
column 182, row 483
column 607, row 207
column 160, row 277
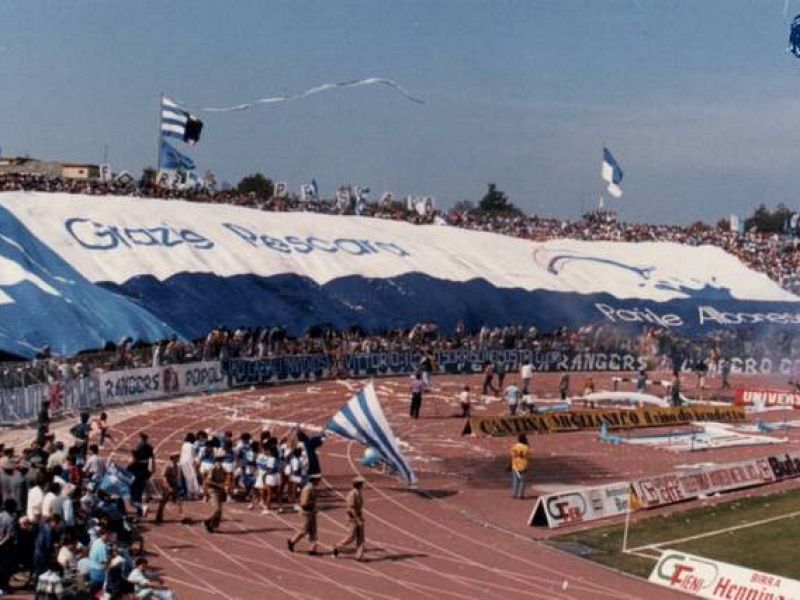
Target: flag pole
column 158, row 139
column 600, row 195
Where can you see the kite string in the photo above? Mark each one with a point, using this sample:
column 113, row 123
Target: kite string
column 316, row 90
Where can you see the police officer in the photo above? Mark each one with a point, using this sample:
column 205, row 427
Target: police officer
column 355, row 520
column 308, row 505
column 216, row 489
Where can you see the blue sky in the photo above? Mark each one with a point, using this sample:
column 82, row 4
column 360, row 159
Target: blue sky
column 698, row 100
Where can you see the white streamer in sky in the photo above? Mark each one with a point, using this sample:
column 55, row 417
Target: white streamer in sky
column 316, row 90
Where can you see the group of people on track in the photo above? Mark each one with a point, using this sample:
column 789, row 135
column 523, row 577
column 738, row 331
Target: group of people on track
column 272, row 473
column 72, row 516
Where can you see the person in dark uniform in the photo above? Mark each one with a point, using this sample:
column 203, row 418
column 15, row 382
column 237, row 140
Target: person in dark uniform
column 417, row 386
column 216, row 488
column 563, row 386
column 144, row 461
column 675, row 389
column 80, row 431
column 725, row 370
column 171, row 487
column 488, row 379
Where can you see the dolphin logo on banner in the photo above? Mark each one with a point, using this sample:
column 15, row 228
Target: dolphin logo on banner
column 363, row 421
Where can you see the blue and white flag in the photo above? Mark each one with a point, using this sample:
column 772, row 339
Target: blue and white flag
column 169, row 159
column 309, row 191
column 363, row 421
column 178, row 123
column 117, row 481
column 611, row 174
column 794, row 37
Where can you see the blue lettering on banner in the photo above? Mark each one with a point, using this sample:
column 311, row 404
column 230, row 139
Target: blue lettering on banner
column 97, row 236
column 202, row 377
column 132, row 385
column 267, row 370
column 405, row 362
column 293, row 243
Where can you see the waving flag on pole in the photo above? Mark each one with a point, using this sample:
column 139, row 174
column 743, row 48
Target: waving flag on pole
column 611, row 174
column 177, row 122
column 363, row 421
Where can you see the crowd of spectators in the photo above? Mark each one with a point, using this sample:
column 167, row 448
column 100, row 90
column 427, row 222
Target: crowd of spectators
column 771, row 254
column 65, row 530
column 662, row 347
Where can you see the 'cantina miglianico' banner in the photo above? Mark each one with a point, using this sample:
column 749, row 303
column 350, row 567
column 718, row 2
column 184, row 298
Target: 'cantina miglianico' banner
column 576, row 420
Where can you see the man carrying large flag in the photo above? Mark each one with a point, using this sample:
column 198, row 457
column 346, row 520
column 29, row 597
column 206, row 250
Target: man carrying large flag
column 611, row 173
column 363, row 421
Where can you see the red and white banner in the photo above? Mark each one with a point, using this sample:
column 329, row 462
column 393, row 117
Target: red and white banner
column 715, row 580
column 580, row 505
column 766, row 398
column 679, row 486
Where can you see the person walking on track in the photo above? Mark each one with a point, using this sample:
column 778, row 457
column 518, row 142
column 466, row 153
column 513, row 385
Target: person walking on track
column 216, row 487
column 171, row 487
column 488, row 379
column 563, row 386
column 417, row 387
column 355, row 521
column 308, row 505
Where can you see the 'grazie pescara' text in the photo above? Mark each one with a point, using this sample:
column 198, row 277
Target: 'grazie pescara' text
column 99, row 236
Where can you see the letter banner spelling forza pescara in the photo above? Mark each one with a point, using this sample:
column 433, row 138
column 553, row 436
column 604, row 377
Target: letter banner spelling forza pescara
column 715, row 580
column 104, row 267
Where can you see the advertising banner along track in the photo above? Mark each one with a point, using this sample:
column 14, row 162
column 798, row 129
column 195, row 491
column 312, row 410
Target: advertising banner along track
column 716, row 580
column 614, row 418
column 679, row 486
column 762, row 398
column 580, row 505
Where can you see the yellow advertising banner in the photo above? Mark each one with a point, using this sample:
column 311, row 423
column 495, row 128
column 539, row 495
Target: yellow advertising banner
column 614, row 418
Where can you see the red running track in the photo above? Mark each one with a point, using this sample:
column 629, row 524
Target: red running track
column 459, row 537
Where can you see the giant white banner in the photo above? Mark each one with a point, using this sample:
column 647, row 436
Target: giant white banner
column 106, row 267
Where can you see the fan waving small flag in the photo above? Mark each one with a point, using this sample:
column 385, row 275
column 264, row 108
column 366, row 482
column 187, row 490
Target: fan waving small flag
column 363, row 421
column 611, row 174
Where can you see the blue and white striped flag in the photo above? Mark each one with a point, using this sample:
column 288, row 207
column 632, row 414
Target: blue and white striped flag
column 611, row 173
column 177, row 122
column 362, row 420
